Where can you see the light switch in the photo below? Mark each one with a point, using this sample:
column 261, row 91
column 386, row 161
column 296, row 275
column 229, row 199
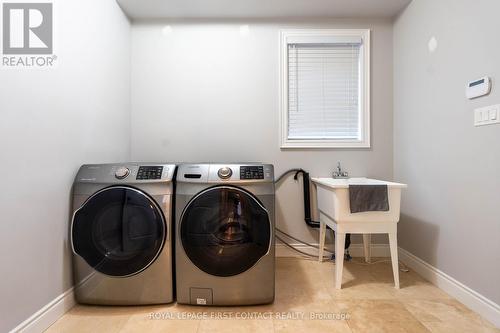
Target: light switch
column 477, row 117
column 487, row 115
column 493, row 115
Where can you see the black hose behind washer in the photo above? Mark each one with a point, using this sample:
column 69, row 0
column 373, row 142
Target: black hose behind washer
column 307, row 200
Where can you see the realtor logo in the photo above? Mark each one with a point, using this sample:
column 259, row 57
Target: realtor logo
column 27, row 34
column 27, row 28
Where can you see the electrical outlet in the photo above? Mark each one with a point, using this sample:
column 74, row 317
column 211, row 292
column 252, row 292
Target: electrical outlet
column 487, row 116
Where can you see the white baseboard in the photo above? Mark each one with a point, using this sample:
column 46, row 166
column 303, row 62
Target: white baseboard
column 355, row 250
column 49, row 314
column 472, row 299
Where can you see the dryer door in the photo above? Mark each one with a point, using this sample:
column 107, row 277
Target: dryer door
column 119, row 231
column 225, row 230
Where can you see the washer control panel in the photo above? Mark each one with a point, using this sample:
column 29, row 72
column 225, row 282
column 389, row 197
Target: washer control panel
column 244, row 173
column 252, row 172
column 149, row 172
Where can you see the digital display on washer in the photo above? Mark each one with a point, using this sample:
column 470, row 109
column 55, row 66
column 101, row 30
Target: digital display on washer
column 149, row 172
column 252, row 172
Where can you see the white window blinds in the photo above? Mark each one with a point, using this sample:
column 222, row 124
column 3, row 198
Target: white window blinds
column 324, row 91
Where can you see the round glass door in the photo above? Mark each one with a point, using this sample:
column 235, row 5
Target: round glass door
column 225, row 230
column 119, row 231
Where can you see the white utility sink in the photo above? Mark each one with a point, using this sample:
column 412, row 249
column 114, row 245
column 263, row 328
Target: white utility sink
column 333, row 200
column 335, row 212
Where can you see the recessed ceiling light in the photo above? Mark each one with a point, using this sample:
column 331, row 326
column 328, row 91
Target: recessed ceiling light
column 244, row 30
column 433, row 44
column 166, row 30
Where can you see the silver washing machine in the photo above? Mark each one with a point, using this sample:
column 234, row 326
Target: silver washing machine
column 225, row 234
column 121, row 233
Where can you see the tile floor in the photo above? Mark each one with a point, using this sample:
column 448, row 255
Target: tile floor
column 306, row 301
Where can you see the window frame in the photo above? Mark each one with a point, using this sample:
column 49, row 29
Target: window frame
column 364, row 100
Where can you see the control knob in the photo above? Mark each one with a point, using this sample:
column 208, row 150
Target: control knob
column 122, row 173
column 225, row 172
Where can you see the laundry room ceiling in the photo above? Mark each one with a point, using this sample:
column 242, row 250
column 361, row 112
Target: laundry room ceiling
column 235, row 9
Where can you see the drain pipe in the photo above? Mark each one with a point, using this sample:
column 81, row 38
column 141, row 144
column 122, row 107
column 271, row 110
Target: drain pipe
column 307, row 200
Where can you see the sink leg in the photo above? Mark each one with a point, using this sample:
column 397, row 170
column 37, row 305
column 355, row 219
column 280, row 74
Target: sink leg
column 393, row 242
column 339, row 258
column 367, row 247
column 322, row 236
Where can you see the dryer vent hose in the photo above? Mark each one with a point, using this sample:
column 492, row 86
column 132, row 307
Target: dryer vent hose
column 307, row 199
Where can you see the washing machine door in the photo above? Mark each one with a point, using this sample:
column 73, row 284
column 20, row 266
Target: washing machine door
column 225, row 230
column 119, row 231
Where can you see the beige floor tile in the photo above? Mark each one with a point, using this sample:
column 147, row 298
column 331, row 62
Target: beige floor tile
column 439, row 310
column 144, row 322
column 306, row 305
column 357, row 282
column 316, row 292
column 183, row 308
column 95, row 319
column 486, row 323
column 382, row 316
column 379, row 310
column 104, row 311
column 420, row 290
column 370, row 290
column 301, row 284
column 304, row 289
column 236, row 326
column 461, row 326
column 440, row 315
column 412, row 326
column 412, row 286
column 246, row 315
column 353, row 273
column 311, row 326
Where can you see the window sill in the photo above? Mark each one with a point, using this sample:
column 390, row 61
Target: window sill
column 324, row 144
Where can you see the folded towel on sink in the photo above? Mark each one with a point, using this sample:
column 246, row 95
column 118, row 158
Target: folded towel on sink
column 368, row 198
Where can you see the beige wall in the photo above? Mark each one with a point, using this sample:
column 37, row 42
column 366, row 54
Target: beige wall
column 205, row 93
column 451, row 210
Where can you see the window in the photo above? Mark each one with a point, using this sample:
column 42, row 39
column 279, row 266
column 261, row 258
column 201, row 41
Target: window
column 325, row 98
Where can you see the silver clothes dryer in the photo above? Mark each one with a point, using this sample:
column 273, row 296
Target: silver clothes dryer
column 121, row 234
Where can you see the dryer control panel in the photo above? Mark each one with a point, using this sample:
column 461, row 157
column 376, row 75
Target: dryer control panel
column 252, row 172
column 149, row 172
column 126, row 173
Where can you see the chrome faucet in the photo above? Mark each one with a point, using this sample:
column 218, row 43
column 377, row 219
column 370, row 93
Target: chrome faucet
column 339, row 173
